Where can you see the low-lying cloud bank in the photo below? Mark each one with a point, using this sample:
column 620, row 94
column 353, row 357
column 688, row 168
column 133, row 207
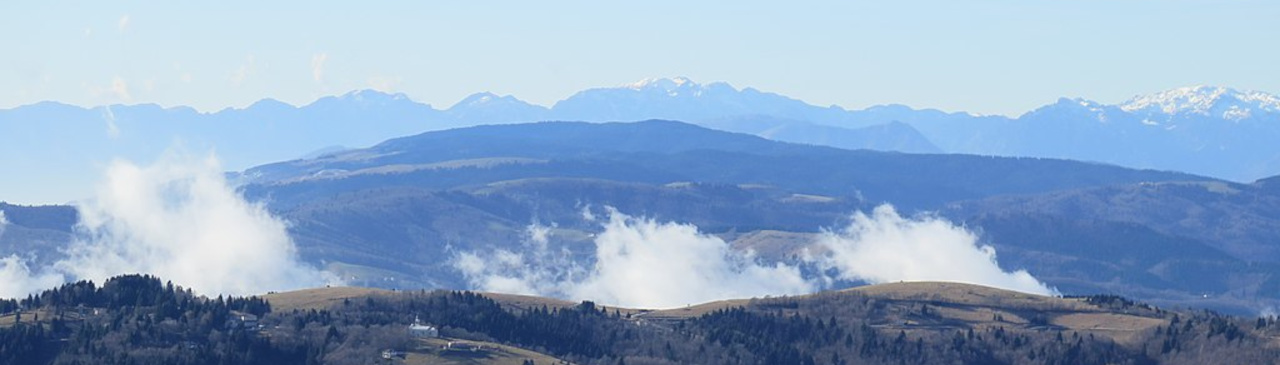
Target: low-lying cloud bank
column 639, row 262
column 885, row 247
column 180, row 220
column 17, row 280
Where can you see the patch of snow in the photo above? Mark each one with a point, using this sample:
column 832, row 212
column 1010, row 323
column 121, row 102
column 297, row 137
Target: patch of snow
column 1205, row 100
column 1236, row 113
column 669, row 85
column 1195, row 99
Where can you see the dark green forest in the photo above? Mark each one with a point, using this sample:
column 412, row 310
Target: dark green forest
column 139, row 319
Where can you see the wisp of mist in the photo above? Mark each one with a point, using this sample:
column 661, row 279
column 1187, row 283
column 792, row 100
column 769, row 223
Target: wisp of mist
column 643, row 263
column 180, row 220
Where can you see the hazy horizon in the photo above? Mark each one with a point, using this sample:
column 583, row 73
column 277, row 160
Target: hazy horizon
column 445, row 106
column 103, row 134
column 1000, row 59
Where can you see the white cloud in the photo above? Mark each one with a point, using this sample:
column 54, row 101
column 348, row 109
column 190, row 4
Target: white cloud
column 587, row 215
column 885, row 247
column 17, row 280
column 120, row 89
column 123, row 23
column 317, row 66
column 383, row 83
column 639, row 262
column 115, row 92
column 538, row 234
column 241, row 74
column 538, row 269
column 184, row 76
column 643, row 263
column 113, row 131
column 180, row 220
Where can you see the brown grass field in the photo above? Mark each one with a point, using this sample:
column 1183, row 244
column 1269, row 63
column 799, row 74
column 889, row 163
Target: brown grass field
column 955, row 305
column 7, row 320
column 430, row 351
column 318, row 298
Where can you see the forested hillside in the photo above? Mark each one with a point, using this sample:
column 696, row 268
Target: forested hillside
column 140, row 320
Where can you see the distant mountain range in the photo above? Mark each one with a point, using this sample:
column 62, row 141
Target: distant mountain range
column 1210, row 131
column 389, row 214
column 1204, row 130
column 1082, row 227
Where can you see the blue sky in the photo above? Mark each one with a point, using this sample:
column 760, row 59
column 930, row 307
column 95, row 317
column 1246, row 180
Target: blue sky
column 1002, row 57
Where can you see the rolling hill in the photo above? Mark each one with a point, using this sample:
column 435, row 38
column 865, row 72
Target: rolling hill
column 918, row 322
column 1213, row 241
column 395, row 215
column 391, row 214
column 1210, row 131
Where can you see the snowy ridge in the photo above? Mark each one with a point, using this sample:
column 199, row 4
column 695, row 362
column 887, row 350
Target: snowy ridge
column 676, row 86
column 662, row 83
column 482, row 98
column 364, row 95
column 1205, row 100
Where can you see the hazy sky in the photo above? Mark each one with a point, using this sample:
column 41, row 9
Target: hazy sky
column 982, row 56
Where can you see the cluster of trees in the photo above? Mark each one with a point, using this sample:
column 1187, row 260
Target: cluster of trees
column 8, row 305
column 135, row 319
column 804, row 339
column 23, row 345
column 133, row 292
column 140, row 320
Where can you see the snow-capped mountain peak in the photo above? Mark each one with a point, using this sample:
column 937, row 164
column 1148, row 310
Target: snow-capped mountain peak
column 481, row 98
column 665, row 84
column 372, row 97
column 484, row 97
column 1215, row 101
column 487, row 107
column 1194, row 99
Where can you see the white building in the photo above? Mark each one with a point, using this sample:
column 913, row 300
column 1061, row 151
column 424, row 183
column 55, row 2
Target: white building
column 239, row 319
column 419, row 330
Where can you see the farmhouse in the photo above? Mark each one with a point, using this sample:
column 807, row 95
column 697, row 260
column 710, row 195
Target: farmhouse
column 238, row 319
